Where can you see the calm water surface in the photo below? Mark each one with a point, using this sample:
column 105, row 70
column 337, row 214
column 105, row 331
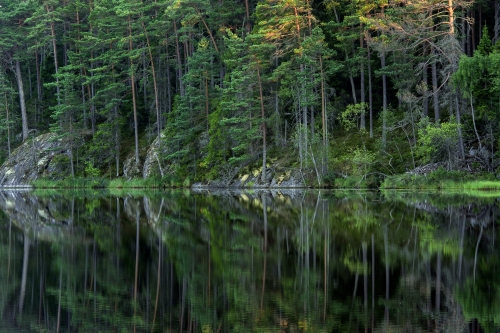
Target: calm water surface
column 288, row 261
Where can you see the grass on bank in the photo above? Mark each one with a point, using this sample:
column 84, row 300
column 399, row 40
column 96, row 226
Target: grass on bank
column 118, row 183
column 440, row 180
column 443, row 180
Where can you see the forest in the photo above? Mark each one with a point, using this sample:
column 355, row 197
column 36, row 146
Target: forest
column 341, row 88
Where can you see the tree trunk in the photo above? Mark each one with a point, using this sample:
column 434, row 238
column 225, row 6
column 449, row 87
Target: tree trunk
column 370, row 90
column 168, row 88
column 435, row 91
column 474, row 122
column 468, row 35
column 54, row 48
column 464, row 34
column 134, row 103
column 24, row 117
column 451, row 17
column 179, row 62
column 71, row 137
column 206, row 99
column 362, row 124
column 459, row 128
column 8, row 124
column 38, row 83
column 200, row 15
column 425, row 100
column 323, row 102
column 384, row 101
column 263, row 115
column 117, row 140
column 304, row 115
column 155, row 86
column 247, row 17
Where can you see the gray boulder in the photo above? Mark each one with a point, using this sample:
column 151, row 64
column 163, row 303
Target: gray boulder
column 41, row 156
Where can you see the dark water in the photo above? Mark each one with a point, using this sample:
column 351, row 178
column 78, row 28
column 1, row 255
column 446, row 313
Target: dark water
column 256, row 262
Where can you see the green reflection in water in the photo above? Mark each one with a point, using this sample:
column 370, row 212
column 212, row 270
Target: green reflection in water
column 289, row 261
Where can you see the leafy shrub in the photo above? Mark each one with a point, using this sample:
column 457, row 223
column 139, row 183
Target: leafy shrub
column 90, row 170
column 438, row 143
column 349, row 117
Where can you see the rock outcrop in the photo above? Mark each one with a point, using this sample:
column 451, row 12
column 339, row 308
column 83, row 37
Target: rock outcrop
column 152, row 163
column 44, row 155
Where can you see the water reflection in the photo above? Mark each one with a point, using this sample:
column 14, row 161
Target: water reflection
column 248, row 262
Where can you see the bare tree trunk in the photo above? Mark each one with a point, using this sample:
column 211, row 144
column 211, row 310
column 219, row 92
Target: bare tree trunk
column 206, row 99
column 362, row 124
column 384, row 100
column 263, row 115
column 459, row 128
column 179, row 62
column 54, row 48
column 8, row 123
column 134, row 103
column 71, row 161
column 38, row 84
column 370, row 90
column 323, row 102
column 304, row 116
column 425, row 101
column 169, row 89
column 474, row 122
column 117, row 140
column 468, row 35
column 435, row 92
column 155, row 86
column 22, row 104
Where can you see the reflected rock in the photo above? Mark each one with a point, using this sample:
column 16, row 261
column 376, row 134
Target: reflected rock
column 41, row 218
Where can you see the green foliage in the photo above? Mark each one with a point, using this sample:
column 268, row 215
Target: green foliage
column 350, row 116
column 485, row 46
column 361, row 161
column 438, row 143
column 90, row 170
column 442, row 179
column 60, row 166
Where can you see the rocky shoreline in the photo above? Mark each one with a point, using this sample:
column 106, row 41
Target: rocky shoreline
column 48, row 156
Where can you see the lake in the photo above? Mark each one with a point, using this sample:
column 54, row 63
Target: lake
column 258, row 261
